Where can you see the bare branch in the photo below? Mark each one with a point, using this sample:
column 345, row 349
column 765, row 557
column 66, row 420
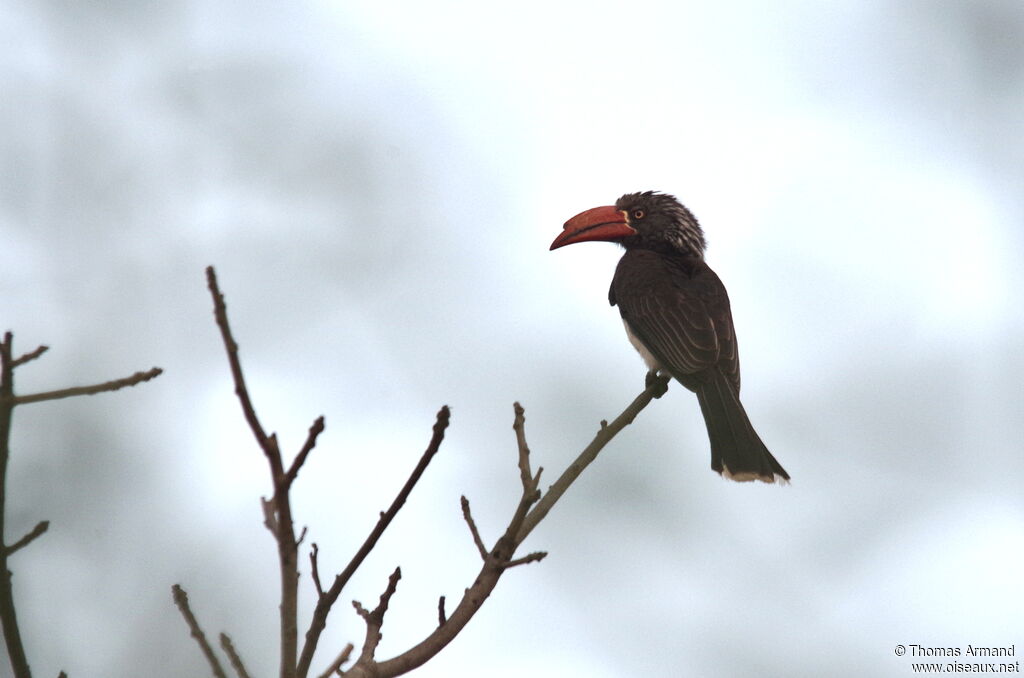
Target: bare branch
column 277, row 511
column 374, row 620
column 327, row 600
column 30, row 356
column 40, row 527
column 236, row 661
column 534, row 557
column 181, row 600
column 500, row 557
column 656, row 387
column 113, row 385
column 335, row 667
column 8, row 401
column 315, row 569
column 524, row 450
column 315, row 430
column 220, row 312
column 441, row 616
column 8, row 612
column 472, row 528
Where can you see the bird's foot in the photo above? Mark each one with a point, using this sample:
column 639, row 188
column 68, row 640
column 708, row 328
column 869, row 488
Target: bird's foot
column 659, row 382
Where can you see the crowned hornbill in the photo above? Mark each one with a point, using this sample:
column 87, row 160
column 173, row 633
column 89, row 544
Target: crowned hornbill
column 676, row 313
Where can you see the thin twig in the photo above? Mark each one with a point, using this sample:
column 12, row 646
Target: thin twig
column 236, row 661
column 315, row 430
column 518, row 425
column 315, row 569
column 220, row 312
column 181, row 600
column 500, row 557
column 106, row 386
column 534, row 557
column 375, row 619
column 277, row 511
column 327, row 600
column 40, row 527
column 335, row 667
column 656, row 387
column 441, row 616
column 31, row 355
column 468, row 517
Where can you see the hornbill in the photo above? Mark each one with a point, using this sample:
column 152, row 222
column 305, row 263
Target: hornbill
column 676, row 313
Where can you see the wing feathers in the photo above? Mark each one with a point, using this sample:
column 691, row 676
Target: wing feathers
column 680, row 314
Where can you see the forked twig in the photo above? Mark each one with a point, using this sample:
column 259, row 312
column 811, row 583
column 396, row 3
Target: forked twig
column 375, row 619
column 327, row 599
column 655, row 389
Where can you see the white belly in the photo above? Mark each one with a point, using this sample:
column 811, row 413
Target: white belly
column 652, row 362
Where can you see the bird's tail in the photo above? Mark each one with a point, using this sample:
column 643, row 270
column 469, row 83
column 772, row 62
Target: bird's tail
column 736, row 450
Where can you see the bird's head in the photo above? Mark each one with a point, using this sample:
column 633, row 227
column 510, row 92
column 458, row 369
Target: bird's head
column 650, row 220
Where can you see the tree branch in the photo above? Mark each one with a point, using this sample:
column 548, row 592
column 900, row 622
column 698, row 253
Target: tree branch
column 181, row 600
column 236, row 661
column 220, row 312
column 532, row 507
column 374, row 620
column 314, row 431
column 655, row 389
column 8, row 401
column 30, row 356
column 442, row 617
column 335, row 667
column 40, row 527
column 278, row 514
column 500, row 558
column 468, row 517
column 314, row 568
column 113, row 385
column 327, row 600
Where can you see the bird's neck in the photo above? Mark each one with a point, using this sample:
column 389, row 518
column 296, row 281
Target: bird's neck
column 684, row 259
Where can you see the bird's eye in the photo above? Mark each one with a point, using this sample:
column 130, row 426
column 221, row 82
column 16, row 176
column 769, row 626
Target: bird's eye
column 639, row 214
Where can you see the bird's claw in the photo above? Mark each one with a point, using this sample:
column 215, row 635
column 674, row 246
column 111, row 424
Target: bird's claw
column 660, row 383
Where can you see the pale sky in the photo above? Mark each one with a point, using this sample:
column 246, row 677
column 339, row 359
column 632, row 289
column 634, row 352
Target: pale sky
column 377, row 185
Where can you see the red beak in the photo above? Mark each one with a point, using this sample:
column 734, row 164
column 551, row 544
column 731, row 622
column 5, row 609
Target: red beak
column 599, row 223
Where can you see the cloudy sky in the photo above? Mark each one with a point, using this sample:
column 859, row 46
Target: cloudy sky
column 377, row 185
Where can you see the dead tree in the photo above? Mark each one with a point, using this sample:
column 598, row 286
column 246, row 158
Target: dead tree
column 296, row 661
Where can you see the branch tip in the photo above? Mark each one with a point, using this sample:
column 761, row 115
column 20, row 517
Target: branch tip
column 113, row 385
column 335, row 667
column 30, row 356
column 36, row 531
column 327, row 600
column 181, row 601
column 233, row 656
column 442, row 617
column 468, row 517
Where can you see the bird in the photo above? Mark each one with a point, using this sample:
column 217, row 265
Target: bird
column 677, row 316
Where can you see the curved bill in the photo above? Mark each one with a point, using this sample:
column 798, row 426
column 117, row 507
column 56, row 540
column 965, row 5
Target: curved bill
column 599, row 223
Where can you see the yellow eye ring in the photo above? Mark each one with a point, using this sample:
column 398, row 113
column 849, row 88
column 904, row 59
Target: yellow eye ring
column 639, row 214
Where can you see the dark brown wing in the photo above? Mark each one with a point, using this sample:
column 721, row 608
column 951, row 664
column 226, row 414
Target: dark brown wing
column 679, row 311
